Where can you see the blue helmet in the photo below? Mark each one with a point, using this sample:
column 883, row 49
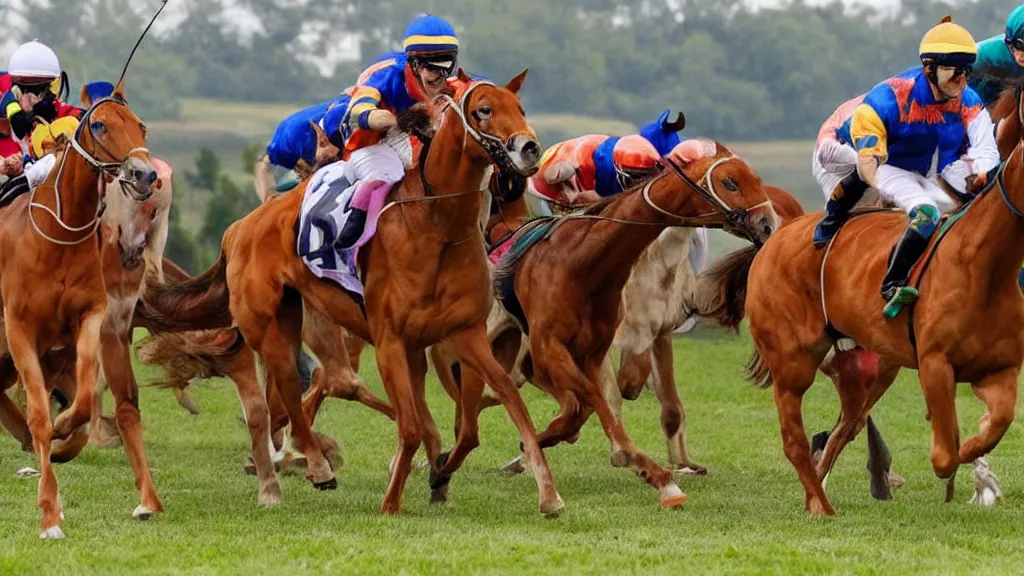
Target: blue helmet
column 429, row 35
column 1015, row 28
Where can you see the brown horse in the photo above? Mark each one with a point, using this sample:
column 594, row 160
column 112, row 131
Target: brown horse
column 50, row 274
column 563, row 281
column 964, row 327
column 425, row 279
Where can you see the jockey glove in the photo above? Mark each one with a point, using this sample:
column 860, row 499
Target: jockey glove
column 46, row 109
column 978, row 182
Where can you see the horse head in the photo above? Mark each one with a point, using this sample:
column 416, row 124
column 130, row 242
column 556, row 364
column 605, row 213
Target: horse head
column 728, row 185
column 111, row 138
column 134, row 223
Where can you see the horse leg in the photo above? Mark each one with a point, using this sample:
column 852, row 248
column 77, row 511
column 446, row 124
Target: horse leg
column 257, row 419
column 38, row 402
column 673, row 415
column 393, row 363
column 441, row 358
column 610, row 386
column 634, row 369
column 792, row 375
column 117, row 365
column 14, row 422
column 939, row 386
column 102, row 430
column 279, row 349
column 999, row 393
column 629, row 453
column 473, row 348
column 428, row 428
column 87, row 368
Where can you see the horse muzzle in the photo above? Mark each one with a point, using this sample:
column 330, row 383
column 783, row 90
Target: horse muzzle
column 131, row 256
column 138, row 178
column 522, row 154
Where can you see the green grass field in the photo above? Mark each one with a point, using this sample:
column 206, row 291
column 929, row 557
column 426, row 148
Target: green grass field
column 746, row 516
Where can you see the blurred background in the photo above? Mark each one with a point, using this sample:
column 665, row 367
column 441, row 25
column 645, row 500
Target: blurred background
column 216, row 76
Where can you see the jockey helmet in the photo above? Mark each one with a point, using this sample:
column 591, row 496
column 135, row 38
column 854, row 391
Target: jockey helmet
column 949, row 44
column 1015, row 29
column 33, row 61
column 430, row 40
column 634, row 158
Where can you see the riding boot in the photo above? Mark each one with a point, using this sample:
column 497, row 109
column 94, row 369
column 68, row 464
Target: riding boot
column 845, row 196
column 911, row 246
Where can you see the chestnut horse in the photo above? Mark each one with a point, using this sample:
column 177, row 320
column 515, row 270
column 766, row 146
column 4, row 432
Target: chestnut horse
column 51, row 280
column 563, row 280
column 425, row 278
column 964, row 327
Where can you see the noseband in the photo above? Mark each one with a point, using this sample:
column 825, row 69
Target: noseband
column 129, row 187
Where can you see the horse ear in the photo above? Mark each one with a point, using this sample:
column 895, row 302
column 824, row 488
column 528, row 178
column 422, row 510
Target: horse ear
column 321, row 137
column 463, row 76
column 515, row 84
column 119, row 90
column 85, row 97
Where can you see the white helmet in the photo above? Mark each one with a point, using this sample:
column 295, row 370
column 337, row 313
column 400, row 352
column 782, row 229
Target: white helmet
column 34, row 60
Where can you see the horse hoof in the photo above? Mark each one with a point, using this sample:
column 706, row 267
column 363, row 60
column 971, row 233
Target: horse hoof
column 249, row 466
column 672, row 496
column 690, row 470
column 185, row 400
column 143, row 513
column 331, row 484
column 895, row 480
column 515, row 467
column 272, row 497
column 440, row 495
column 553, row 509
column 52, row 533
column 619, row 458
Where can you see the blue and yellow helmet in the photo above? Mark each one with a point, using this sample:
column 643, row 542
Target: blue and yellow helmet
column 429, row 34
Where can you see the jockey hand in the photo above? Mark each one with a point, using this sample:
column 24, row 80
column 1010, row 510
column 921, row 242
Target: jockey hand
column 11, row 166
column 382, row 120
column 977, row 182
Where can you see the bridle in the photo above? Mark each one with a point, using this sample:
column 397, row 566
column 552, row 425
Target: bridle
column 495, row 148
column 130, row 187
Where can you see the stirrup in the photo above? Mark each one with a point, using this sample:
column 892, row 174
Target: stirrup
column 904, row 295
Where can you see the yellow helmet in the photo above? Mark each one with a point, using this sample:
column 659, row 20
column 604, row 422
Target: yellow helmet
column 46, row 134
column 949, row 44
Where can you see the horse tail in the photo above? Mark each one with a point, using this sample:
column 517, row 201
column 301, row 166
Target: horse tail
column 199, row 303
column 758, row 372
column 721, row 291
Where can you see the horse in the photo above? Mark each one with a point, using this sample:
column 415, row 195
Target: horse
column 51, row 281
column 563, row 280
column 799, row 301
column 425, row 278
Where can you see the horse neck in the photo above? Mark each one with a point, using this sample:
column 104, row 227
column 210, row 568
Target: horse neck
column 995, row 240
column 614, row 247
column 448, row 169
column 78, row 194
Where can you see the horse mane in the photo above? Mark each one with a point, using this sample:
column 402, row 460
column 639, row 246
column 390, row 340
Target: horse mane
column 1006, row 104
column 418, row 121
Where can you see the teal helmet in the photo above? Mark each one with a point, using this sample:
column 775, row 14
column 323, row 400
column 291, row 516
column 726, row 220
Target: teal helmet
column 1015, row 28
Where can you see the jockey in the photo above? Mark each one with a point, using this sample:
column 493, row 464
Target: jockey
column 586, row 169
column 1002, row 54
column 34, row 81
column 898, row 138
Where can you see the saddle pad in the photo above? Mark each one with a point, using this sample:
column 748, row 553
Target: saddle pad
column 330, row 204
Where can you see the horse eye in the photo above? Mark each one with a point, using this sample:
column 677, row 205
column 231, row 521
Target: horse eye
column 484, row 112
column 97, row 127
column 730, row 185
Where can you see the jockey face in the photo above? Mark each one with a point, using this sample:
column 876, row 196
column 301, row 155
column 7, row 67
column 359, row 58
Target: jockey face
column 433, row 73
column 1017, row 51
column 950, row 81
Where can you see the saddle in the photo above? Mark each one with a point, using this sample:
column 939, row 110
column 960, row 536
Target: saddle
column 12, row 188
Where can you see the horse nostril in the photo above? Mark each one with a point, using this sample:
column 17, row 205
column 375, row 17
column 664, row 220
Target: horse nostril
column 151, row 177
column 531, row 149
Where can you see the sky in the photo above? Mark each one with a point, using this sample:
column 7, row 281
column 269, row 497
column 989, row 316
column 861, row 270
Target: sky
column 174, row 13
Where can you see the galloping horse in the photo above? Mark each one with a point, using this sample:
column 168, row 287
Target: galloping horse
column 965, row 328
column 563, row 280
column 50, row 275
column 425, row 275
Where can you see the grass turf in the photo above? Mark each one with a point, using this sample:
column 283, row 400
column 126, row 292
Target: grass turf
column 746, row 516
